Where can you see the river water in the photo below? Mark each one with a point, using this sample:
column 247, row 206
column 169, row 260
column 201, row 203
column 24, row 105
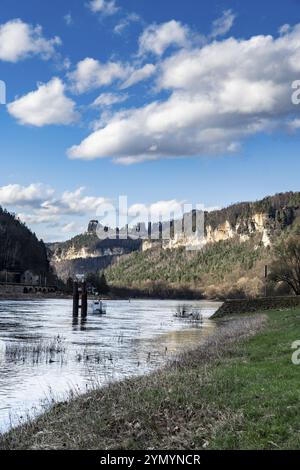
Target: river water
column 45, row 352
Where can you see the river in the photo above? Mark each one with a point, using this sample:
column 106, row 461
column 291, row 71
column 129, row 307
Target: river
column 45, row 353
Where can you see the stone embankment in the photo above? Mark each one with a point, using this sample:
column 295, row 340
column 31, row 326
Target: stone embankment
column 236, row 306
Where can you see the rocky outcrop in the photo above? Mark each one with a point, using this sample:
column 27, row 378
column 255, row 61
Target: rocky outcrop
column 261, row 220
column 240, row 221
column 86, row 253
column 74, row 253
column 257, row 224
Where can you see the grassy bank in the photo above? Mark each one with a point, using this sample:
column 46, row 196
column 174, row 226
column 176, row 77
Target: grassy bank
column 240, row 390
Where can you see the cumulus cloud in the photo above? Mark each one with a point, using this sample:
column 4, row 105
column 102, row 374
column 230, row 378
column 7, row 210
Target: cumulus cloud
column 223, row 24
column 160, row 210
column 73, row 202
column 48, row 209
column 37, row 219
column 19, row 40
column 105, row 7
column 156, row 38
column 138, row 75
column 219, row 94
column 18, row 195
column 46, row 105
column 91, row 74
column 69, row 212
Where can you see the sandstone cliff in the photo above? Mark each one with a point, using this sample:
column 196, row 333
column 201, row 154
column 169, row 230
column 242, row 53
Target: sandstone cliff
column 262, row 220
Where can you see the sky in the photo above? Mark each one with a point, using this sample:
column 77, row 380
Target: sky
column 165, row 102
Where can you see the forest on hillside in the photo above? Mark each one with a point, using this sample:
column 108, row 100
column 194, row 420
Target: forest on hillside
column 282, row 208
column 227, row 269
column 217, row 269
column 20, row 249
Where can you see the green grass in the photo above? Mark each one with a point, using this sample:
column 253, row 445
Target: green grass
column 260, row 381
column 238, row 391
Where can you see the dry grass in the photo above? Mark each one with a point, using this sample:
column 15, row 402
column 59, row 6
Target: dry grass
column 36, row 352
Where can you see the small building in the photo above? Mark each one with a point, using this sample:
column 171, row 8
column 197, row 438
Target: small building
column 29, row 278
column 10, row 277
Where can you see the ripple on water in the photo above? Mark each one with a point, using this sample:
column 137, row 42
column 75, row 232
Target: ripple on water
column 133, row 338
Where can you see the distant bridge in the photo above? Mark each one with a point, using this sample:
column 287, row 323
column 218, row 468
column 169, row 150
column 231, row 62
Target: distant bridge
column 19, row 288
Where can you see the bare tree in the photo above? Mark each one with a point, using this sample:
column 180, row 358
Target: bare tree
column 286, row 265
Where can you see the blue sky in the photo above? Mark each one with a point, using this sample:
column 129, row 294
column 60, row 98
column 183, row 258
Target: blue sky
column 164, row 102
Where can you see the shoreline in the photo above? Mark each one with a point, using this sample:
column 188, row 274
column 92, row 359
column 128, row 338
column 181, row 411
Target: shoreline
column 110, row 404
column 40, row 296
column 237, row 390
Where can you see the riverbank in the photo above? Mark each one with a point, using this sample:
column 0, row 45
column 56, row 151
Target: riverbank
column 239, row 390
column 62, row 295
column 237, row 306
column 35, row 296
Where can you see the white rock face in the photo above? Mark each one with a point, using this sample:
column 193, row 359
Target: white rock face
column 222, row 232
column 73, row 253
column 266, row 238
column 257, row 224
column 260, row 221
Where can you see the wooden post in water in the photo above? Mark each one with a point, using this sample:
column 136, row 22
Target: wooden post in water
column 80, row 290
column 83, row 300
column 75, row 298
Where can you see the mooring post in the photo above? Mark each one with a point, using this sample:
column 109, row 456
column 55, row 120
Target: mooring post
column 84, row 299
column 75, row 298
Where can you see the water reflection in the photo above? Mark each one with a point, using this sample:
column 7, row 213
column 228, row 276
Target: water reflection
column 79, row 322
column 133, row 338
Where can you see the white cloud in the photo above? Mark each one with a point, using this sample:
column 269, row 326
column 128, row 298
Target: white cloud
column 69, row 212
column 285, row 28
column 105, row 7
column 52, row 227
column 70, row 227
column 47, row 105
column 130, row 160
column 125, row 22
column 222, row 25
column 66, row 64
column 91, row 74
column 62, row 212
column 220, row 94
column 156, row 38
column 294, row 124
column 17, row 195
column 138, row 75
column 73, row 202
column 19, row 40
column 68, row 19
column 108, row 99
column 164, row 210
column 36, row 219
